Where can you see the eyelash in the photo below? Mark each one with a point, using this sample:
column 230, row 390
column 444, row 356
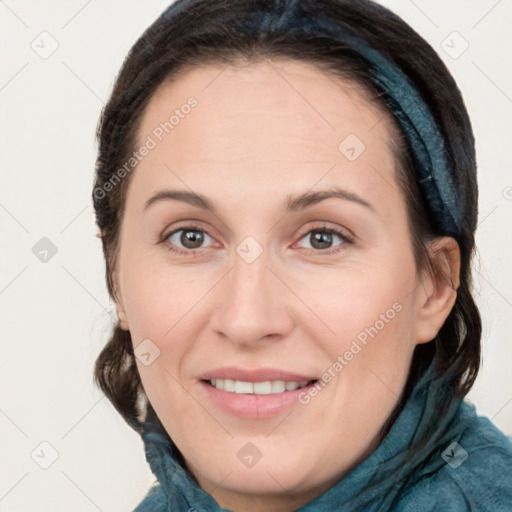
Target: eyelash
column 346, row 240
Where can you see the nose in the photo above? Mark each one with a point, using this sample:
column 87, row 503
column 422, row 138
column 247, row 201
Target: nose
column 252, row 303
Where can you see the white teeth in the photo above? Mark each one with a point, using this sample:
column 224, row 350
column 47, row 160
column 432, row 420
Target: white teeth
column 263, row 388
column 278, row 386
column 229, row 385
column 256, row 388
column 243, row 387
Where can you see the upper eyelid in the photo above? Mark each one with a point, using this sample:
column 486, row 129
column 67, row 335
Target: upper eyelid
column 324, row 227
column 194, row 225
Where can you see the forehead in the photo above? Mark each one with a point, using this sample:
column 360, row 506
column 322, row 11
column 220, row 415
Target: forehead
column 274, row 119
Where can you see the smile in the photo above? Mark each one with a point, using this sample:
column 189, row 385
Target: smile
column 268, row 387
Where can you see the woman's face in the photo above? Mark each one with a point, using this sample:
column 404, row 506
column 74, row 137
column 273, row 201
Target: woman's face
column 258, row 274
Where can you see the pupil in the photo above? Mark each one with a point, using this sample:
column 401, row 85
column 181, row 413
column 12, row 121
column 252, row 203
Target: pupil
column 191, row 239
column 321, row 238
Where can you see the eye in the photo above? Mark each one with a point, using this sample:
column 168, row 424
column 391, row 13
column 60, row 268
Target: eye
column 186, row 239
column 321, row 239
column 324, row 239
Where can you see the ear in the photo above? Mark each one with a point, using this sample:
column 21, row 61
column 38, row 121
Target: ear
column 121, row 314
column 437, row 292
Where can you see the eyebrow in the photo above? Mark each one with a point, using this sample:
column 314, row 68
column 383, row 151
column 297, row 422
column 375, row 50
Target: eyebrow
column 294, row 203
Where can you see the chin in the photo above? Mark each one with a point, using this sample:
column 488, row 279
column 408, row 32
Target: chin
column 269, row 475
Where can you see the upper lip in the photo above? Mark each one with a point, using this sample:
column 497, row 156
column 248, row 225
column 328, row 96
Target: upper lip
column 255, row 375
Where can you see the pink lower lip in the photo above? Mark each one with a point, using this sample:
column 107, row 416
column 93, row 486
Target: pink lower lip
column 253, row 406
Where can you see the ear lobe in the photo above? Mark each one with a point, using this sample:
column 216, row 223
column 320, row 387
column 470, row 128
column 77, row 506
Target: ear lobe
column 123, row 320
column 439, row 289
column 121, row 314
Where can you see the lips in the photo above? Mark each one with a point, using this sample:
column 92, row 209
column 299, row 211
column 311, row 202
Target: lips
column 255, row 394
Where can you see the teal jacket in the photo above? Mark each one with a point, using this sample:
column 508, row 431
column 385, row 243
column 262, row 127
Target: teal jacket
column 468, row 468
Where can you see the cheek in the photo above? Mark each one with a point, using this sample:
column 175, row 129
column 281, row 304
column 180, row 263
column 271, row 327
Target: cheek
column 372, row 316
column 362, row 306
column 156, row 296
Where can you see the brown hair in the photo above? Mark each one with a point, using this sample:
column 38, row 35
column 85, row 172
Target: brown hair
column 193, row 33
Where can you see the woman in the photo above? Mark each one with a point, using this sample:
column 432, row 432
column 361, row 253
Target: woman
column 286, row 194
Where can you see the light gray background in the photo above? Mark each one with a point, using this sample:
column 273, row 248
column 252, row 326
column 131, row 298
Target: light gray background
column 55, row 315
